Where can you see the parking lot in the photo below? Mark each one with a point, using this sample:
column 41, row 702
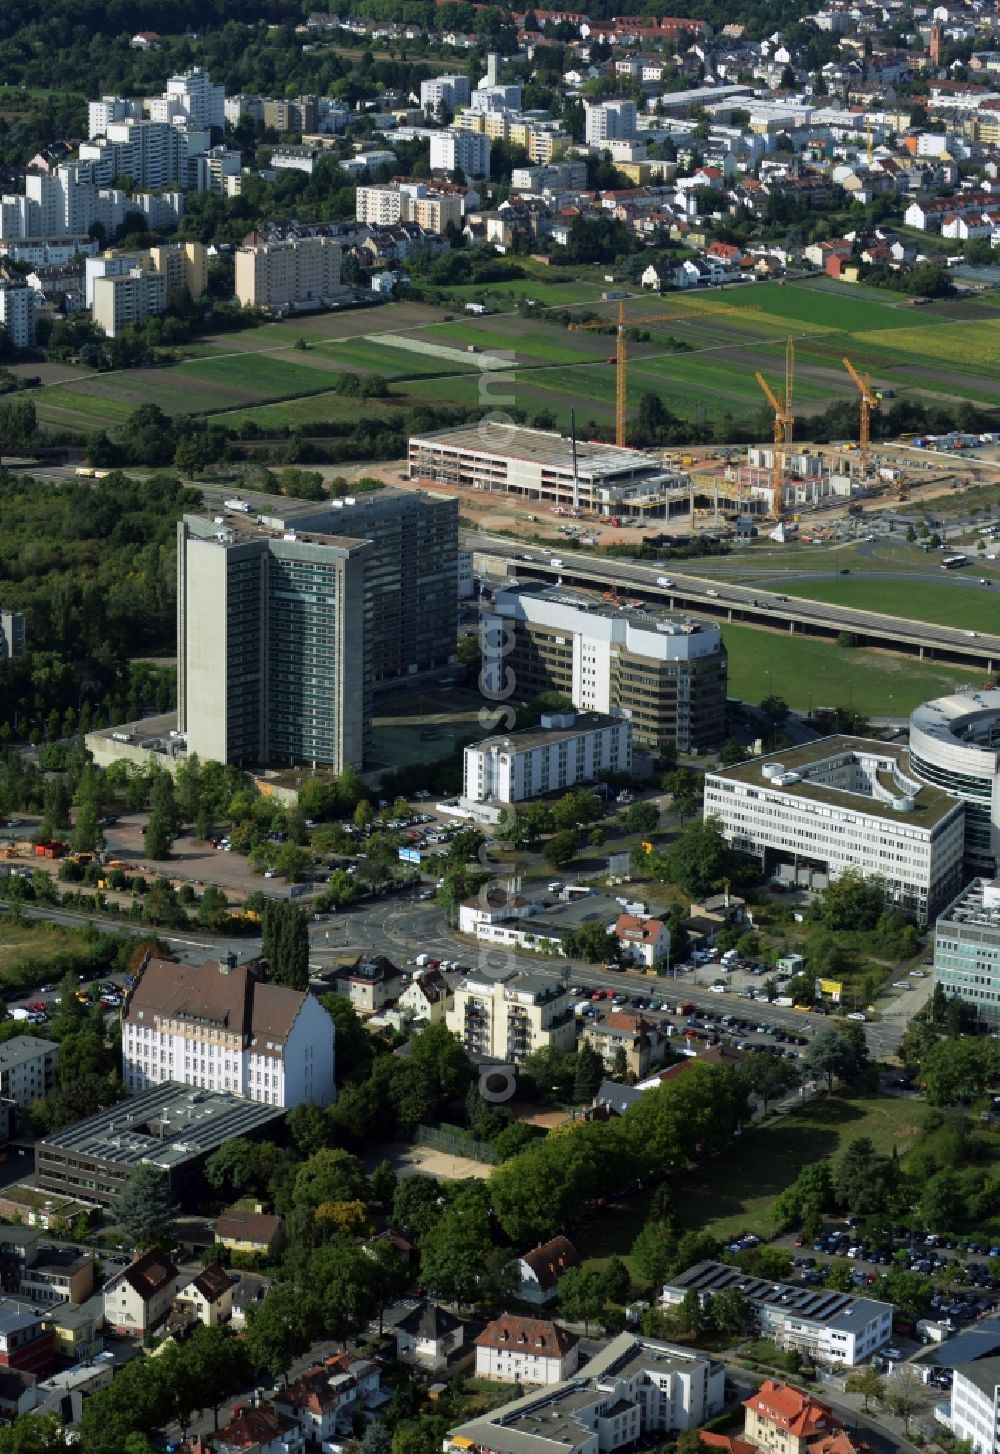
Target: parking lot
column 681, row 1020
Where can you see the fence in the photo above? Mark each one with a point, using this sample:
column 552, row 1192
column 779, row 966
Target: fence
column 454, row 1142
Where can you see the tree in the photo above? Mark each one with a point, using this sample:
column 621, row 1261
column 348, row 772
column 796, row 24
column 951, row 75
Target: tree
column 593, row 942
column 653, row 1252
column 87, row 835
column 146, row 1207
column 376, row 1438
column 775, row 711
column 768, row 1077
column 581, row 1295
column 561, row 848
column 282, row 1327
column 212, row 908
column 827, row 1055
column 417, row 1204
column 157, row 837
column 354, row 1045
column 344, row 1278
column 588, row 1074
column 867, row 1383
column 863, row 1180
column 732, row 1312
column 286, row 944
column 437, row 1051
column 955, row 1070
column 213, row 1365
column 617, row 1283
column 698, row 861
column 330, row 1176
column 904, row 1395
column 641, row 818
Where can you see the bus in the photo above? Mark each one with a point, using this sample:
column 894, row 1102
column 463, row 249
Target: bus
column 953, row 562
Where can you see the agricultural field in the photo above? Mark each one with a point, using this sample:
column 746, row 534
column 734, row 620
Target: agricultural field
column 807, row 672
column 701, row 359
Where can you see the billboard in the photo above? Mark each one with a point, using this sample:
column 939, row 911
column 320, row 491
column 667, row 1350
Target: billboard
column 832, row 987
column 410, row 855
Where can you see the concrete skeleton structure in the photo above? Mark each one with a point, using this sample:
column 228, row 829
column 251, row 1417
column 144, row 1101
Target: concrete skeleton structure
column 844, row 803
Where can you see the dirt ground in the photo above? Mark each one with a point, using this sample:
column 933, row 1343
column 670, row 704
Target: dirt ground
column 407, row 1160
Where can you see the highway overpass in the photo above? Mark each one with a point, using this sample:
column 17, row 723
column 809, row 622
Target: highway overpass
column 980, row 652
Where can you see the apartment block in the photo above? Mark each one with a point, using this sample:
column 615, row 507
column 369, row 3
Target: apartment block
column 975, row 1405
column 455, row 147
column 27, row 1069
column 300, row 115
column 627, row 1396
column 428, row 207
column 17, row 313
column 300, row 272
column 967, row 950
column 609, row 121
column 192, row 96
column 153, row 153
column 567, row 748
column 841, row 803
column 508, row 1017
column 183, row 265
column 100, row 114
column 496, row 98
column 449, row 91
column 542, row 139
column 221, row 1027
column 129, row 298
column 665, row 674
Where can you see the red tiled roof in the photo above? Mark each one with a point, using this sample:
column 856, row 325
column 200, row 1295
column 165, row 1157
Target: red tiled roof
column 527, row 1335
column 549, row 1261
column 792, row 1409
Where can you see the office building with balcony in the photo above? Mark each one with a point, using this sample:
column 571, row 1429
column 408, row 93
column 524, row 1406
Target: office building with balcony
column 665, row 674
column 812, row 812
column 507, row 1017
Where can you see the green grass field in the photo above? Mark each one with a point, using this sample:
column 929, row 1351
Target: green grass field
column 422, row 726
column 807, row 672
column 965, row 607
column 27, row 949
column 736, row 1191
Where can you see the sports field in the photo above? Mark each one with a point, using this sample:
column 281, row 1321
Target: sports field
column 698, row 351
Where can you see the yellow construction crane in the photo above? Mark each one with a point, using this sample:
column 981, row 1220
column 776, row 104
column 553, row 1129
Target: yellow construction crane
column 869, row 401
column 784, row 420
column 621, row 357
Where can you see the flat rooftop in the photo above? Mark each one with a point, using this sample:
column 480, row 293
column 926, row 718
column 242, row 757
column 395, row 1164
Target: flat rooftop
column 167, row 1126
column 930, row 805
column 978, row 905
column 543, row 736
column 542, row 447
column 642, row 615
column 815, row 1305
column 968, row 719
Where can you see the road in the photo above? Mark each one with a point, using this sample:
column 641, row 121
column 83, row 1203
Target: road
column 748, row 603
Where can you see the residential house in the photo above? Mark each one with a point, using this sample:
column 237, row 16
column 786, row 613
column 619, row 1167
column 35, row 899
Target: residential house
column 322, row 1400
column 254, row 1431
column 659, row 275
column 249, row 1293
column 539, row 1270
column 638, row 1039
column 370, row 984
column 26, row 1343
column 427, row 997
column 252, row 1233
column 642, row 941
column 526, row 1350
column 78, row 1331
column 208, row 1296
column 780, row 1417
column 138, row 1298
column 428, row 1335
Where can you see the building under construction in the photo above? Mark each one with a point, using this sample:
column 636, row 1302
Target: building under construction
column 536, row 465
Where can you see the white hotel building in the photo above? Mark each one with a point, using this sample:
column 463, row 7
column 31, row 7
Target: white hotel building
column 567, row 748
column 812, row 812
column 221, row 1028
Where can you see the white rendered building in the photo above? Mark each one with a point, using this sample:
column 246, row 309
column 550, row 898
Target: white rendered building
column 609, row 121
column 450, row 91
column 975, row 1404
column 456, row 147
column 844, row 803
column 526, row 1350
column 955, row 746
column 219, row 1027
column 565, row 749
